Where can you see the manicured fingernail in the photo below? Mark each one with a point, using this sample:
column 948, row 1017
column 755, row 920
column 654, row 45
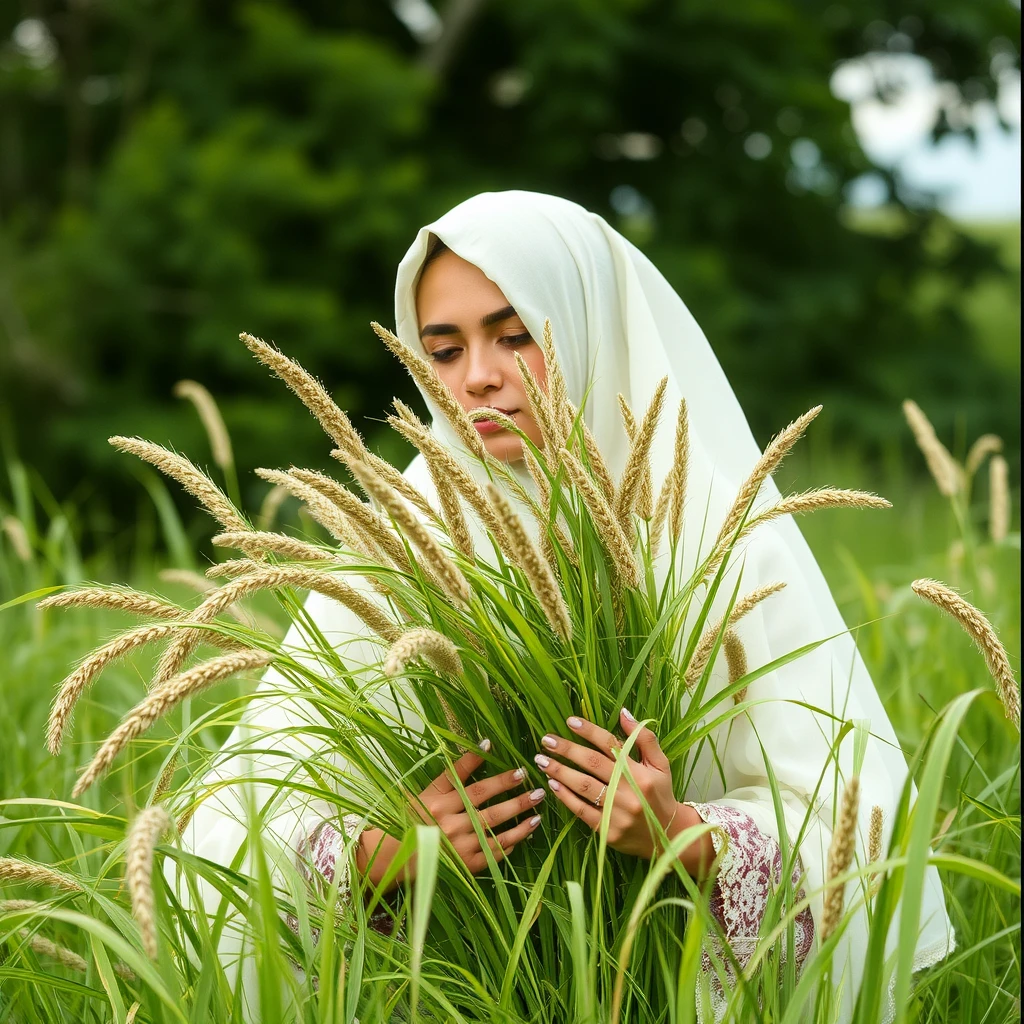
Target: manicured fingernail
column 554, row 784
column 549, row 741
column 537, row 794
column 574, row 722
column 535, row 821
column 542, row 759
column 626, row 714
column 519, row 774
column 484, row 745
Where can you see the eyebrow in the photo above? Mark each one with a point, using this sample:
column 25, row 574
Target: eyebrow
column 434, row 330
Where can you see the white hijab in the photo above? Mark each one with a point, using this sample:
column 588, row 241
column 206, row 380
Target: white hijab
column 618, row 324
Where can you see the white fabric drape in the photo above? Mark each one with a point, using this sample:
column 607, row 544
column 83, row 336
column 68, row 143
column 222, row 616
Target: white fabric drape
column 620, row 326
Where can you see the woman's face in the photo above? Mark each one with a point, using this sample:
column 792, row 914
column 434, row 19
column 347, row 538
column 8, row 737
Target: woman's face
column 471, row 333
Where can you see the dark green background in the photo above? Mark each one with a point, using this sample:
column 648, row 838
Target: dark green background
column 181, row 171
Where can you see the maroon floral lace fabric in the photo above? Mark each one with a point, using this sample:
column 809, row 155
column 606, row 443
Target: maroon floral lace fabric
column 317, row 861
column 750, row 871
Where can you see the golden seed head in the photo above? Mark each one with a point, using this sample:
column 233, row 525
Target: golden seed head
column 944, row 468
column 213, row 422
column 145, row 832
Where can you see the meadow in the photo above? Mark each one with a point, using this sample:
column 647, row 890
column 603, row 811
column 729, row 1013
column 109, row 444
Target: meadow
column 71, row 950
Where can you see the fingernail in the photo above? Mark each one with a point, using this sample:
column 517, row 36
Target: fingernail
column 549, row 741
column 554, row 784
column 535, row 821
column 542, row 759
column 626, row 714
column 537, row 794
column 574, row 722
column 484, row 745
column 519, row 774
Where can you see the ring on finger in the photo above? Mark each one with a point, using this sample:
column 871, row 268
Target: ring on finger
column 600, row 797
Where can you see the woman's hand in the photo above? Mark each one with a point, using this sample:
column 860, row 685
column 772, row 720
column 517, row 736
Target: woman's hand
column 628, row 830
column 441, row 804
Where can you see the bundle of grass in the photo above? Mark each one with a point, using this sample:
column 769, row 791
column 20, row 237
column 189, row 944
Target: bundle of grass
column 565, row 610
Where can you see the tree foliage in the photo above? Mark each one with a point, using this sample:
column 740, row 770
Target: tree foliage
column 173, row 173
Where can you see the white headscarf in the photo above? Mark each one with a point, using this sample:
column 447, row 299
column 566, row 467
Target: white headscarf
column 618, row 324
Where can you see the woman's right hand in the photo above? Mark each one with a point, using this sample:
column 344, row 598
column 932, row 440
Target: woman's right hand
column 441, row 804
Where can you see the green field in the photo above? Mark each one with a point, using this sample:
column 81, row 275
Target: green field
column 921, row 661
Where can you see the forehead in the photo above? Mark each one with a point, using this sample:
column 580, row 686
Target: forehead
column 451, row 288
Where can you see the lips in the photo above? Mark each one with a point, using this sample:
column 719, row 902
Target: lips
column 489, row 426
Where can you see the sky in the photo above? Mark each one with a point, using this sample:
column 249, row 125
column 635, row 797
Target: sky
column 975, row 181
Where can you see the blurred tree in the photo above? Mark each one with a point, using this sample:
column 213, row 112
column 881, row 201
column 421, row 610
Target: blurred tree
column 172, row 173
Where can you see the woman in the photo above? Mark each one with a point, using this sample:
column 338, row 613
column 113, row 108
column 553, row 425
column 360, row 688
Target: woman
column 473, row 290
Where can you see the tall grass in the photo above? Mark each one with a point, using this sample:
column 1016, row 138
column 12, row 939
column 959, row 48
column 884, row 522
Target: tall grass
column 566, row 929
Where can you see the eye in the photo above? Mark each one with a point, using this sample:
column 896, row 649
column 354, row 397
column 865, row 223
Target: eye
column 444, row 355
column 515, row 340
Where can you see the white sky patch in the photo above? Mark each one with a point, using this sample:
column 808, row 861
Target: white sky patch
column 974, row 180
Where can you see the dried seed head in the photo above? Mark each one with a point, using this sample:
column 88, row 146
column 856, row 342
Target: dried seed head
column 75, row 684
column 773, row 455
column 944, row 468
column 706, row 644
column 451, row 508
column 186, row 578
column 423, row 373
column 736, row 660
column 270, row 578
column 259, row 541
column 791, row 505
column 446, row 571
column 197, row 483
column 987, row 444
column 271, row 505
column 370, row 530
column 595, row 460
column 120, row 598
column 434, row 451
column 23, row 872
column 840, row 856
column 47, row 947
column 213, row 422
column 310, row 391
column 436, row 648
column 679, row 472
column 998, row 499
column 162, row 700
column 322, row 510
column 638, row 465
column 558, row 390
column 146, row 830
column 232, row 568
column 18, row 536
column 607, row 526
column 984, row 635
column 875, row 834
column 534, row 566
column 540, row 408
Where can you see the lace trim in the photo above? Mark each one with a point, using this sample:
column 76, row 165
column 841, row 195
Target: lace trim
column 317, row 862
column 750, row 870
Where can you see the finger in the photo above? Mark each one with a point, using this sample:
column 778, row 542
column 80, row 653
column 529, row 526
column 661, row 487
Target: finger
column 646, row 742
column 600, row 738
column 580, row 783
column 482, row 791
column 463, row 768
column 502, row 845
column 586, row 812
column 592, row 761
column 496, row 814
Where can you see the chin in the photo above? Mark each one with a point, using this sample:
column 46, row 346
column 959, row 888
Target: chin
column 506, row 449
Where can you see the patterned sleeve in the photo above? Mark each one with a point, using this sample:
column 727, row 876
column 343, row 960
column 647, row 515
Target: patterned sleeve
column 749, row 871
column 317, row 860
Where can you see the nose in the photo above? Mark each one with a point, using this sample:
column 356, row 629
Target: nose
column 483, row 369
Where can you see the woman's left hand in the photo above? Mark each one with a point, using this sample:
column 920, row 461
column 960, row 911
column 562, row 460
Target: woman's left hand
column 628, row 830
